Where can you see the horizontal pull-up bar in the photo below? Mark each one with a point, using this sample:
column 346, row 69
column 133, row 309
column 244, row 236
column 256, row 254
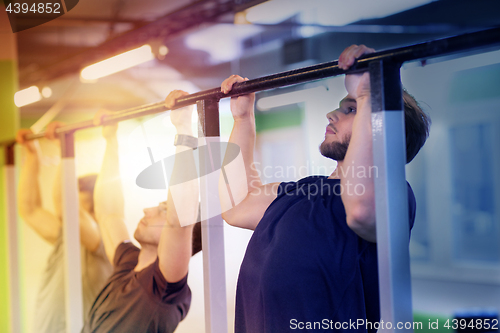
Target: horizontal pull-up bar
column 424, row 50
column 435, row 48
column 135, row 112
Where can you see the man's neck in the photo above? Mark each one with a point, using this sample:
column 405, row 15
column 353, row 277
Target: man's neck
column 147, row 256
column 337, row 173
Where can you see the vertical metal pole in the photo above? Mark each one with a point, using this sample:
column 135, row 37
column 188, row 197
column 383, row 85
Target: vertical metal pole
column 71, row 236
column 214, row 272
column 12, row 234
column 391, row 194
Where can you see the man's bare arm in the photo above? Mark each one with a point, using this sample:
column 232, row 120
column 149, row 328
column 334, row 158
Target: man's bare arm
column 174, row 249
column 90, row 237
column 45, row 224
column 250, row 198
column 360, row 208
column 108, row 194
column 248, row 213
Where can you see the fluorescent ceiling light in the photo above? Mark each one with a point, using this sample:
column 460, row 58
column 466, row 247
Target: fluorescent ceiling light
column 118, row 63
column 327, row 12
column 27, row 96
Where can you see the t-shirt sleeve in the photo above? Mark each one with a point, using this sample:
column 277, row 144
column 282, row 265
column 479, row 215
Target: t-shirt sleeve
column 285, row 188
column 156, row 286
column 126, row 256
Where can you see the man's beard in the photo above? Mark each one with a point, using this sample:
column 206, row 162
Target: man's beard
column 335, row 150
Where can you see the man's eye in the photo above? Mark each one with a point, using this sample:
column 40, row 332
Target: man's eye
column 349, row 110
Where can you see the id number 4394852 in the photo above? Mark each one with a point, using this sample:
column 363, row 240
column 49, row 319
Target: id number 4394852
column 473, row 323
column 35, row 8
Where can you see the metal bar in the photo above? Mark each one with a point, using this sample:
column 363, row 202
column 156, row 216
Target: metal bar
column 424, row 50
column 435, row 48
column 214, row 271
column 12, row 234
column 7, row 143
column 71, row 236
column 391, row 194
column 135, row 112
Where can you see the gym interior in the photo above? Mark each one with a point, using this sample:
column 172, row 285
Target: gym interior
column 194, row 45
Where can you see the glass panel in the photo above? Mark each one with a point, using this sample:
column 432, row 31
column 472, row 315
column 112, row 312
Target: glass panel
column 475, row 233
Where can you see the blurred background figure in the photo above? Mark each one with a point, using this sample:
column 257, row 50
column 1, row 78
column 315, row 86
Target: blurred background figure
column 148, row 291
column 49, row 313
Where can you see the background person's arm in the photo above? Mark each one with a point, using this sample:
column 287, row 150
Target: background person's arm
column 249, row 196
column 43, row 222
column 175, row 247
column 90, row 236
column 50, row 133
column 108, row 193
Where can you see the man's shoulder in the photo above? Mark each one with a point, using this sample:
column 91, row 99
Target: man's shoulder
column 126, row 254
column 153, row 281
column 306, row 181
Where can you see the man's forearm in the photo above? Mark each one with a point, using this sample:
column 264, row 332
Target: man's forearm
column 108, row 195
column 174, row 250
column 28, row 190
column 243, row 134
column 358, row 172
column 57, row 192
column 30, row 205
column 108, row 200
column 234, row 185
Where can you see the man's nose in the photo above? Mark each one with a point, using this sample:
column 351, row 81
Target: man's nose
column 332, row 116
column 148, row 211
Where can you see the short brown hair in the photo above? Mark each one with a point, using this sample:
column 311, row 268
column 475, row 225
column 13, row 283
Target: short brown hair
column 417, row 125
column 196, row 247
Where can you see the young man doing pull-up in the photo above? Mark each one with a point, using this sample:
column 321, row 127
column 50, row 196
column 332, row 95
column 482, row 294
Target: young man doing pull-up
column 148, row 290
column 311, row 263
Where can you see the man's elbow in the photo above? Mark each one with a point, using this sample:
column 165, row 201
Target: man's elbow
column 228, row 217
column 25, row 210
column 362, row 221
column 48, row 233
column 23, row 213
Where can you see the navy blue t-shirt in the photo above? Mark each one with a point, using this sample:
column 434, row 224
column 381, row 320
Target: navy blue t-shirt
column 303, row 264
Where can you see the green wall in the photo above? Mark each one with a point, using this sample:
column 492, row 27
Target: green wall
column 271, row 120
column 9, row 123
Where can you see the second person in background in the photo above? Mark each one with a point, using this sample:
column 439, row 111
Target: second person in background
column 49, row 314
column 148, row 290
